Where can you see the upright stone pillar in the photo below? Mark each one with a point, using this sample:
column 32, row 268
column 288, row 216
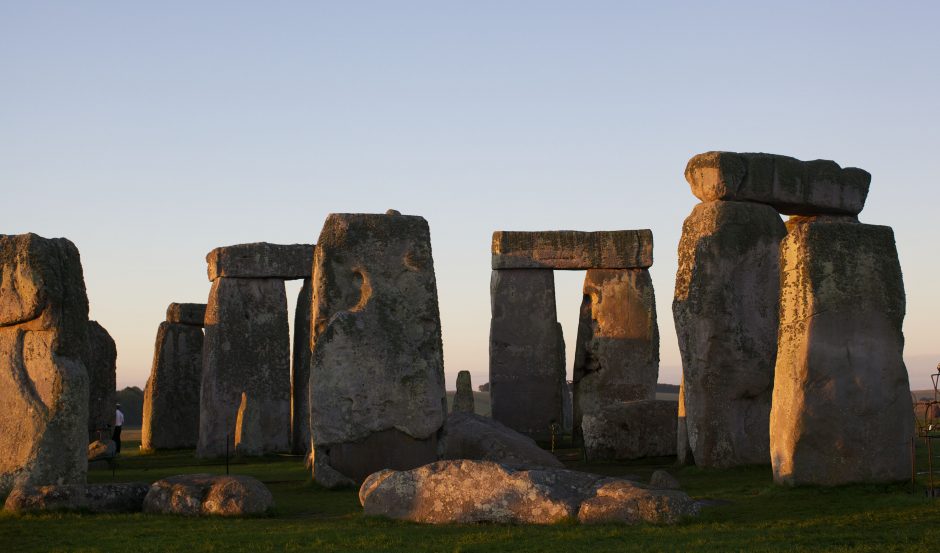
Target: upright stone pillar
column 841, row 402
column 463, row 398
column 377, row 395
column 300, row 372
column 725, row 310
column 101, row 363
column 617, row 355
column 43, row 380
column 246, row 354
column 171, row 397
column 527, row 352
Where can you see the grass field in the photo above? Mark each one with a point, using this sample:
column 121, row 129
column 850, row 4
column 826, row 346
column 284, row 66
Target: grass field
column 758, row 516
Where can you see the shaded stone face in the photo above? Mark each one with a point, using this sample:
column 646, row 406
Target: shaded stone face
column 125, row 497
column 569, row 249
column 186, row 313
column 377, row 371
column 246, row 351
column 617, row 355
column 463, row 399
column 43, row 380
column 261, row 260
column 101, row 363
column 300, row 372
column 527, row 352
column 208, row 495
column 471, row 436
column 725, row 309
column 171, row 397
column 791, row 186
column 841, row 401
column 683, row 452
column 630, row 430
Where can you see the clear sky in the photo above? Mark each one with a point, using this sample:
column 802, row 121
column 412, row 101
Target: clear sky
column 149, row 133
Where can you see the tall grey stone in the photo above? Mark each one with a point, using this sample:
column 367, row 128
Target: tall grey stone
column 101, row 364
column 617, row 353
column 171, row 397
column 246, row 351
column 725, row 310
column 841, row 401
column 527, row 352
column 683, row 453
column 377, row 395
column 43, row 380
column 463, row 398
column 300, row 372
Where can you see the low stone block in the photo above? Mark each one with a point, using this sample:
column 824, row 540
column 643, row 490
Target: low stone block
column 97, row 498
column 631, row 430
column 575, row 250
column 261, row 260
column 186, row 313
column 208, row 494
column 791, row 186
column 471, row 436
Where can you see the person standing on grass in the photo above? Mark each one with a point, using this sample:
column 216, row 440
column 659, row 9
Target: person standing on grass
column 118, row 423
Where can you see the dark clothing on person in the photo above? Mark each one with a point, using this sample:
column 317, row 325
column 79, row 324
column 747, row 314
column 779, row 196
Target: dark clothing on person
column 116, row 436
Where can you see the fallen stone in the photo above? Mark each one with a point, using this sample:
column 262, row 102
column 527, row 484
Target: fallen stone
column 841, row 400
column 208, row 494
column 261, row 260
column 246, row 351
column 617, row 354
column 463, row 399
column 43, row 380
column 101, row 449
column 377, row 359
column 101, row 363
column 527, row 352
column 664, row 481
column 300, row 372
column 171, row 396
column 631, row 430
column 726, row 315
column 471, row 436
column 95, row 498
column 789, row 185
column 569, row 249
column 186, row 313
column 463, row 491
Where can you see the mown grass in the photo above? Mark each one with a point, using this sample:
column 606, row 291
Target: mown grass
column 758, row 516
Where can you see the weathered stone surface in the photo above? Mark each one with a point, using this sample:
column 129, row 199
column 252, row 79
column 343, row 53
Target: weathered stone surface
column 625, row 502
column 663, row 480
column 617, row 353
column 300, row 372
column 527, row 352
column 248, row 434
column 683, row 451
column 377, row 395
column 125, row 497
column 567, row 407
column 631, row 430
column 261, row 260
column 725, row 310
column 208, row 494
column 841, row 402
column 246, row 351
column 101, row 449
column 186, row 313
column 171, row 397
column 43, row 381
column 463, row 399
column 791, row 186
column 482, row 491
column 570, row 249
column 101, row 363
column 471, row 436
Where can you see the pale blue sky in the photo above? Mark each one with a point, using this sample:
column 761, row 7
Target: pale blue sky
column 149, row 133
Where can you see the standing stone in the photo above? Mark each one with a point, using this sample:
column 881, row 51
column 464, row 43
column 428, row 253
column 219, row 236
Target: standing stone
column 248, row 437
column 841, row 402
column 101, row 363
column 725, row 310
column 171, row 397
column 247, row 350
column 567, row 407
column 683, row 452
column 43, row 380
column 527, row 352
column 626, row 430
column 300, row 372
column 463, row 399
column 377, row 396
column 617, row 353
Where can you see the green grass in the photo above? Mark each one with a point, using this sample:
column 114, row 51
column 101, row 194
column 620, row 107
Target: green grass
column 759, row 517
